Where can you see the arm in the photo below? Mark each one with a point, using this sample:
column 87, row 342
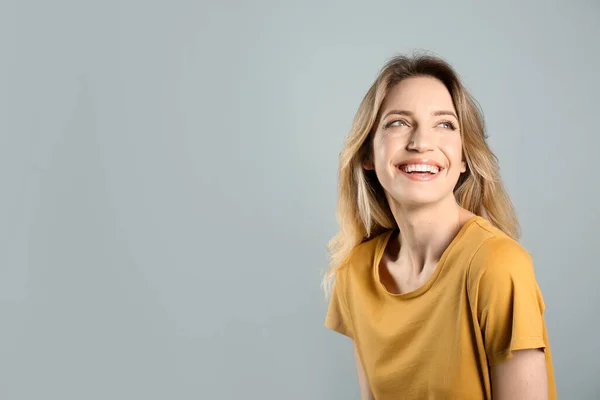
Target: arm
column 521, row 377
column 365, row 389
column 509, row 307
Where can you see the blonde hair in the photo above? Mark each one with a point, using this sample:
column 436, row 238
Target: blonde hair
column 362, row 209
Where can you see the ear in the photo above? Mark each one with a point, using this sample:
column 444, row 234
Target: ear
column 368, row 164
column 463, row 166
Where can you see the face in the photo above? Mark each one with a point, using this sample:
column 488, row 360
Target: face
column 417, row 147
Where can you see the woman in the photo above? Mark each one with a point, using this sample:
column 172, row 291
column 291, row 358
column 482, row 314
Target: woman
column 431, row 285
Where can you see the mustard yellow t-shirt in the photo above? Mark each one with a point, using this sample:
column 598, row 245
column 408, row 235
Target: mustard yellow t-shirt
column 438, row 342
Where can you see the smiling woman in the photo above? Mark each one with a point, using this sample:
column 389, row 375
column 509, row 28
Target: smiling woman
column 421, row 135
column 426, row 276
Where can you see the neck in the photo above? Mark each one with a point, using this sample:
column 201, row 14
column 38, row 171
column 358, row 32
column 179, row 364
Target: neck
column 425, row 232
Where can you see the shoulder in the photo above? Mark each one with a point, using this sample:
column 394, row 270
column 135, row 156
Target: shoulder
column 499, row 263
column 500, row 255
column 362, row 256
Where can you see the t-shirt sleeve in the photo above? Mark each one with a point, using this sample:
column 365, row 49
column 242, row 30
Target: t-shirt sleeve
column 508, row 302
column 338, row 316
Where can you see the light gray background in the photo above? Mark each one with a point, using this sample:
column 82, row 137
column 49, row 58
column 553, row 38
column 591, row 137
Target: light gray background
column 168, row 183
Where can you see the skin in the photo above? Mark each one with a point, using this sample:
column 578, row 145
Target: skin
column 365, row 389
column 418, row 120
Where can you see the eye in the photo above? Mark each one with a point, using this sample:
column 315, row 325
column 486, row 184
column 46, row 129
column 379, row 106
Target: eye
column 447, row 125
column 396, row 122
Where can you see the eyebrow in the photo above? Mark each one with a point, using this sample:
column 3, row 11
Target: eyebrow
column 410, row 114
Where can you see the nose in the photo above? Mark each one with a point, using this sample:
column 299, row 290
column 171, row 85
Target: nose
column 420, row 140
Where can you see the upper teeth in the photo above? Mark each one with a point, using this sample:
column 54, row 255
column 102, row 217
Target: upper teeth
column 420, row 168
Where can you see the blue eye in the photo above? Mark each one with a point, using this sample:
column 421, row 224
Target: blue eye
column 449, row 125
column 396, row 122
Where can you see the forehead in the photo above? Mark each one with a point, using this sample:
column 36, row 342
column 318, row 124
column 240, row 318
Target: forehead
column 420, row 93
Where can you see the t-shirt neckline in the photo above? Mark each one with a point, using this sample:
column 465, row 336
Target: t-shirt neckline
column 382, row 244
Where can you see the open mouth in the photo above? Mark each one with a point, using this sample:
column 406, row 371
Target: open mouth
column 420, row 172
column 419, row 169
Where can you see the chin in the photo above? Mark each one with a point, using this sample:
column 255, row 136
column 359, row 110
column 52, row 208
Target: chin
column 418, row 199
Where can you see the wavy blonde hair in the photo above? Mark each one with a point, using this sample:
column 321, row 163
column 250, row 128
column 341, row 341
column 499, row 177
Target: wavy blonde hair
column 362, row 209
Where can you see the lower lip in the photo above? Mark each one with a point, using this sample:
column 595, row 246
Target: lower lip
column 419, row 176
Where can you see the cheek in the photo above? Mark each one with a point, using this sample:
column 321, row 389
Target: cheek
column 387, row 147
column 452, row 147
column 383, row 154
